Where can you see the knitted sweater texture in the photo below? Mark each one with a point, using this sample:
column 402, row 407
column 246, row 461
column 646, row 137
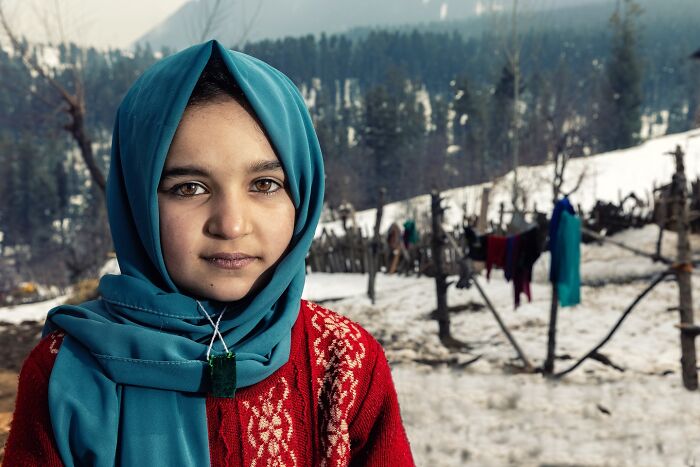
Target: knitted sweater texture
column 332, row 404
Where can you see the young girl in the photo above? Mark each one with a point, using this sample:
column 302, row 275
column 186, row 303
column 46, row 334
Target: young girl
column 202, row 352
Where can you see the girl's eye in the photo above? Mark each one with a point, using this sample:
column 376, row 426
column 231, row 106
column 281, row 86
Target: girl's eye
column 188, row 189
column 266, row 185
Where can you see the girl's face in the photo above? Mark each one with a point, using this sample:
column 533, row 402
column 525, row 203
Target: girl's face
column 226, row 216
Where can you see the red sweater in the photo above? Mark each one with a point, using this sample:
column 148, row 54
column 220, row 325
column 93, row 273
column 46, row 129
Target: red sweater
column 333, row 403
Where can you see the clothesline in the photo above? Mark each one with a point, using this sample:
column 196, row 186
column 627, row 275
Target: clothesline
column 637, row 251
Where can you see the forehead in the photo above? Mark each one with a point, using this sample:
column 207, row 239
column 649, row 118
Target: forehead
column 218, row 134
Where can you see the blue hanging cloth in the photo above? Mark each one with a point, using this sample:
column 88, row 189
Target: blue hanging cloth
column 563, row 205
column 568, row 247
column 565, row 252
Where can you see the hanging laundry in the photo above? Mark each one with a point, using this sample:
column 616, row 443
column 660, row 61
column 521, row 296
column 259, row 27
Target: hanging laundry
column 511, row 256
column 563, row 205
column 477, row 244
column 495, row 253
column 528, row 249
column 410, row 233
column 516, row 255
column 568, row 259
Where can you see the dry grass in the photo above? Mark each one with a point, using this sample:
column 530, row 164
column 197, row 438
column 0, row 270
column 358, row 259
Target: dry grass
column 84, row 291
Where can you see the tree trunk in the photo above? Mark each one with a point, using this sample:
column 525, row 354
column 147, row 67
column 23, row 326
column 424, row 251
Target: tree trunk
column 373, row 263
column 78, row 131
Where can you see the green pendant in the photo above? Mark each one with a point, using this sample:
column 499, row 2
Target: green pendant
column 223, row 375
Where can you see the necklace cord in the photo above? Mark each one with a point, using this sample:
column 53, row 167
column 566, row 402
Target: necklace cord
column 216, row 329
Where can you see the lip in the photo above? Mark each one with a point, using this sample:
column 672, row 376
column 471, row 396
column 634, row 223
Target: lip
column 230, row 260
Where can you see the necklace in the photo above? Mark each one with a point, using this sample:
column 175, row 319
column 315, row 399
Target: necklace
column 222, row 368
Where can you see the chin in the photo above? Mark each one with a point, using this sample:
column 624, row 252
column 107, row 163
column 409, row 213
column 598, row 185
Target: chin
column 219, row 293
column 227, row 295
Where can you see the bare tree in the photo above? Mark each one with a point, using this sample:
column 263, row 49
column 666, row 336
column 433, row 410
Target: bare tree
column 215, row 15
column 512, row 48
column 514, row 59
column 566, row 142
column 565, row 138
column 72, row 97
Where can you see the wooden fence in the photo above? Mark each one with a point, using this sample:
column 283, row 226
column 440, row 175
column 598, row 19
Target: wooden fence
column 351, row 253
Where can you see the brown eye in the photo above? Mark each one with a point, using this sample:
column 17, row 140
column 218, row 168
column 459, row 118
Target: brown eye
column 188, row 189
column 266, row 185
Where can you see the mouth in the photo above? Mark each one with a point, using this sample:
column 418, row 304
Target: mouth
column 230, row 260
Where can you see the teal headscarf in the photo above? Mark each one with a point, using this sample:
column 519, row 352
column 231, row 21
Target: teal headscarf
column 130, row 380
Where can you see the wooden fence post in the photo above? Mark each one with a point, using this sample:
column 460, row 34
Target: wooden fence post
column 484, row 211
column 438, row 240
column 501, row 212
column 438, row 244
column 373, row 263
column 683, row 268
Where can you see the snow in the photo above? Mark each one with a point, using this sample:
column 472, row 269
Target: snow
column 483, row 414
column 29, row 312
column 607, row 177
column 443, row 11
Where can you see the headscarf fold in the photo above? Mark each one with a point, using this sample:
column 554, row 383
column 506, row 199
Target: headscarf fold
column 130, row 380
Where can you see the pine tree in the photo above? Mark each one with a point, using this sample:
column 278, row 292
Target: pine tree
column 622, row 93
column 468, row 130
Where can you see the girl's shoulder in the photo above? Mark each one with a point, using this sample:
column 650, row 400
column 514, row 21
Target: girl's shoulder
column 329, row 329
column 356, row 403
column 31, row 441
column 338, row 346
column 41, row 359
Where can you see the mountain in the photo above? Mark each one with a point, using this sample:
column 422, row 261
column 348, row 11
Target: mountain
column 248, row 20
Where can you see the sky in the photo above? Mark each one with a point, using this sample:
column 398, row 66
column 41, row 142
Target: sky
column 99, row 23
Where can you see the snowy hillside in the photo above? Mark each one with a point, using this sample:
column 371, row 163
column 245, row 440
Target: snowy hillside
column 608, row 177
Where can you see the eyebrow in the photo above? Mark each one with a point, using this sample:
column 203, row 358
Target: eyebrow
column 194, row 170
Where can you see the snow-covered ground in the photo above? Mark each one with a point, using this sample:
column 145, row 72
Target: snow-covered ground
column 29, row 312
column 486, row 415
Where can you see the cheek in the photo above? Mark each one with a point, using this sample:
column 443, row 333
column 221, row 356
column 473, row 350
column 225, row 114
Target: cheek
column 281, row 227
column 174, row 236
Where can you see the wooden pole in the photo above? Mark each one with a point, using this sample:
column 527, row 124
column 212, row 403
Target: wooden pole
column 489, row 305
column 548, row 367
column 501, row 211
column 484, row 211
column 373, row 263
column 684, row 269
column 437, row 244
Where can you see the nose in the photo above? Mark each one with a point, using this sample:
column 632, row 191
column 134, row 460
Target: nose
column 229, row 218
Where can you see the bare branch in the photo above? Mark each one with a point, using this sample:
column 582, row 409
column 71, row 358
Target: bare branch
column 75, row 102
column 579, row 182
column 660, row 277
column 30, row 63
column 209, row 20
column 249, row 25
